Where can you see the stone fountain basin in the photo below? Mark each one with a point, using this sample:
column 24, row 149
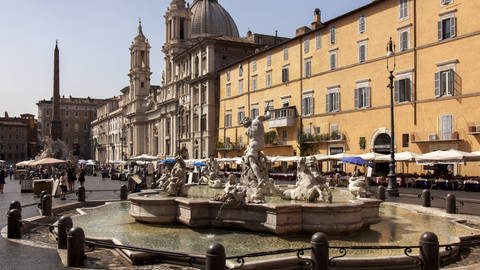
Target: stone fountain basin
column 278, row 218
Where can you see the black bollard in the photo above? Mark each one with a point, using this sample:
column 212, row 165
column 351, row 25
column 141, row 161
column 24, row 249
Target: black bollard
column 81, row 194
column 16, row 205
column 429, row 251
column 40, row 204
column 14, row 219
column 381, row 193
column 64, row 225
column 319, row 255
column 215, row 259
column 123, row 193
column 75, row 247
column 451, row 204
column 46, row 205
column 427, row 199
column 43, row 193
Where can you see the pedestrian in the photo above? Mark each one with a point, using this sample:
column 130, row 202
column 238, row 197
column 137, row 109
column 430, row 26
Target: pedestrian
column 81, row 177
column 11, row 172
column 2, row 179
column 63, row 185
column 71, row 179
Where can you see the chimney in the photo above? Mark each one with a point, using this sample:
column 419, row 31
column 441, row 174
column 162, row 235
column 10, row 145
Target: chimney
column 317, row 19
column 301, row 30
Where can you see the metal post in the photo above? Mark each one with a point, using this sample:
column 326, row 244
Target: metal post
column 451, row 204
column 123, row 193
column 75, row 247
column 427, row 199
column 381, row 193
column 429, row 251
column 81, row 194
column 16, row 205
column 320, row 255
column 215, row 259
column 392, row 188
column 14, row 219
column 64, row 225
column 46, row 205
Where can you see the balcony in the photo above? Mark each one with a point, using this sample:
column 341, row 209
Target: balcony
column 284, row 117
column 434, row 137
column 473, row 128
column 325, row 138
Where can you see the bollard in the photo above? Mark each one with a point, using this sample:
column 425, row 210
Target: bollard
column 320, row 256
column 81, row 194
column 381, row 193
column 123, row 193
column 451, row 204
column 427, row 199
column 64, row 225
column 46, row 205
column 14, row 220
column 75, row 247
column 40, row 204
column 16, row 205
column 429, row 251
column 215, row 259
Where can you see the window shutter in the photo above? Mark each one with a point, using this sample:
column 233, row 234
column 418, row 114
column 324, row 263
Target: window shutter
column 451, row 82
column 337, row 102
column 396, row 91
column 368, row 97
column 304, row 112
column 453, row 27
column 312, row 102
column 357, row 105
column 327, row 103
column 437, row 85
column 440, row 30
column 408, row 92
column 457, row 84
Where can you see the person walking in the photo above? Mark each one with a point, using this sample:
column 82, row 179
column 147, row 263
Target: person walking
column 71, row 179
column 2, row 179
column 81, row 177
column 63, row 185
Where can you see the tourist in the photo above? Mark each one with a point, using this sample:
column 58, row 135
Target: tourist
column 71, row 179
column 2, row 179
column 63, row 185
column 11, row 172
column 81, row 177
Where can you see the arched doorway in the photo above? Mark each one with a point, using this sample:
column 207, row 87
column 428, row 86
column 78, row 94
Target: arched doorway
column 381, row 145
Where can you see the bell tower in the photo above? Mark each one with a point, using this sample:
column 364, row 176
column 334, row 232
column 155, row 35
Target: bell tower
column 139, row 66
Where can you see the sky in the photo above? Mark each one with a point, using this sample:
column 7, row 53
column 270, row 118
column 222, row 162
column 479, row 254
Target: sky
column 94, row 37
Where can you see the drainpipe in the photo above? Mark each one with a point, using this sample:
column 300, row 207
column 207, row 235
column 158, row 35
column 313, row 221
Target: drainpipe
column 415, row 62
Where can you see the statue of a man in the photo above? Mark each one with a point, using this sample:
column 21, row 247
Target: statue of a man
column 253, row 155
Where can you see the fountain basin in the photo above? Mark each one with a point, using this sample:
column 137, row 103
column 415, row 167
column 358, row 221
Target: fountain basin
column 278, row 218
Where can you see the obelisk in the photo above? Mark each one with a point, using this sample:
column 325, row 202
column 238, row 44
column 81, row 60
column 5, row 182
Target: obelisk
column 56, row 124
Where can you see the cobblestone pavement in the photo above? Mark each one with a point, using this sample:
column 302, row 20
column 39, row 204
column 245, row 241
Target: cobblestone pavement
column 43, row 255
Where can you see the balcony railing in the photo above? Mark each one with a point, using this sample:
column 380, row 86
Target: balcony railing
column 283, row 117
column 473, row 128
column 427, row 137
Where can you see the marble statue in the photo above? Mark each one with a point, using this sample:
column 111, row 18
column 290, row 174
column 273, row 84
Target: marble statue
column 357, row 186
column 174, row 182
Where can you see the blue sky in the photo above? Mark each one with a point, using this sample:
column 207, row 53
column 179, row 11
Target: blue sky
column 94, row 38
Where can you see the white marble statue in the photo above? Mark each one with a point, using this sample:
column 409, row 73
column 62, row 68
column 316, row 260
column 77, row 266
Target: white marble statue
column 357, row 186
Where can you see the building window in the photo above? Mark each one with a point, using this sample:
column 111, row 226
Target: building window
column 333, row 35
column 447, row 83
column 447, row 28
column 403, row 6
column 285, row 77
column 333, row 100
column 285, row 104
column 362, row 51
column 307, row 104
column 285, row 53
column 306, row 45
column 445, row 127
column 318, row 40
column 228, row 91
column 307, row 67
column 362, row 24
column 240, row 87
column 228, row 76
column 403, row 90
column 255, row 111
column 240, row 115
column 240, row 71
column 228, row 118
column 254, row 83
column 268, row 105
column 333, row 60
column 362, row 97
column 268, row 78
column 405, row 140
column 254, row 66
column 445, row 2
column 269, row 60
column 404, row 38
column 284, row 135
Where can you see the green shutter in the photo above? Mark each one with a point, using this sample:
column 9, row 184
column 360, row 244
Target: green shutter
column 396, row 91
column 438, row 93
column 368, row 97
column 440, row 30
column 356, row 98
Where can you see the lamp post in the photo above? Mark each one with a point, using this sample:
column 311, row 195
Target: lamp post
column 392, row 188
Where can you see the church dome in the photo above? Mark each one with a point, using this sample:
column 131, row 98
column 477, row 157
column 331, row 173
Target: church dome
column 210, row 18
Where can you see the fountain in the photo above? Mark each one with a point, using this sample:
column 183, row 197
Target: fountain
column 251, row 202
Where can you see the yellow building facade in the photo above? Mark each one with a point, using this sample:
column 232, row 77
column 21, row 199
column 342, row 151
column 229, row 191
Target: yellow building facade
column 326, row 88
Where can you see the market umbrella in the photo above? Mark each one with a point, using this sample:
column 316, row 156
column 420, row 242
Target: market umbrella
column 144, row 157
column 199, row 163
column 167, row 161
column 447, row 157
column 48, row 161
column 354, row 160
column 401, row 156
column 24, row 163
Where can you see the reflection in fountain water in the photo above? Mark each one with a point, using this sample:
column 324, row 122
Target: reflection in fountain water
column 398, row 226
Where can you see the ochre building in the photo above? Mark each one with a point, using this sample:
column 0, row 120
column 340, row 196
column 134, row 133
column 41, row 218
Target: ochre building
column 326, row 88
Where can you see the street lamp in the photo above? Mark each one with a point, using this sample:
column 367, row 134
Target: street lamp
column 392, row 188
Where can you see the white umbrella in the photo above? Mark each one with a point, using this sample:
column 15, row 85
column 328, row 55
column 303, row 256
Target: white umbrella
column 335, row 157
column 284, row 158
column 144, row 157
column 401, row 156
column 82, row 161
column 118, row 162
column 447, row 157
column 24, row 163
column 48, row 161
column 371, row 156
column 90, row 162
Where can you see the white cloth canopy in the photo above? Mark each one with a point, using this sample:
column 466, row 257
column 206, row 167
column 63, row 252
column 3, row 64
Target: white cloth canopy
column 24, row 163
column 283, row 158
column 447, row 157
column 335, row 157
column 402, row 156
column 144, row 157
column 371, row 156
column 48, row 161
